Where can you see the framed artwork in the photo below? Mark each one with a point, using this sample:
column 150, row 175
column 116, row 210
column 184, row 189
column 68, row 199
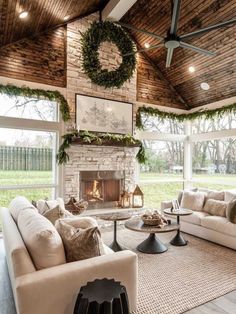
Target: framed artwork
column 103, row 115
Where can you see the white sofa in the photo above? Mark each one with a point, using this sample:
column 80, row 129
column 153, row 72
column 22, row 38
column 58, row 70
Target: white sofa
column 212, row 228
column 54, row 290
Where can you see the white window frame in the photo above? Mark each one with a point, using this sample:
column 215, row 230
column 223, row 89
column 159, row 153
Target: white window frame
column 38, row 125
column 188, row 139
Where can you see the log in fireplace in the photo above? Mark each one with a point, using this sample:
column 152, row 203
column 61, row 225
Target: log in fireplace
column 101, row 189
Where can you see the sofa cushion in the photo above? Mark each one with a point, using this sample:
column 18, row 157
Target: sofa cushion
column 215, row 208
column 216, row 195
column 79, row 243
column 231, row 211
column 43, row 205
column 220, row 224
column 41, row 239
column 195, row 218
column 193, row 200
column 230, row 195
column 17, row 204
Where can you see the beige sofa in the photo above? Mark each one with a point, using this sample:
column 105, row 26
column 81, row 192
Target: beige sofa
column 212, row 228
column 54, row 290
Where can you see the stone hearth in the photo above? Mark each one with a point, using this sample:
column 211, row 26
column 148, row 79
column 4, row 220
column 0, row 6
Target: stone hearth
column 99, row 158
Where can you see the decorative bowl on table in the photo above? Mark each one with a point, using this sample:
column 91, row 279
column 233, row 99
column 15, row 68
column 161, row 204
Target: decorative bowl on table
column 153, row 219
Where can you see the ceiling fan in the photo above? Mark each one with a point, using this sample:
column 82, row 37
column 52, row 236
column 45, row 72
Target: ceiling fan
column 172, row 40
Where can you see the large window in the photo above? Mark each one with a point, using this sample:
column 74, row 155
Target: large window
column 29, row 132
column 162, row 176
column 199, row 154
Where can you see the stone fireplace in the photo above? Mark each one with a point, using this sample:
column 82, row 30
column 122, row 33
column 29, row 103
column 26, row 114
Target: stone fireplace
column 98, row 174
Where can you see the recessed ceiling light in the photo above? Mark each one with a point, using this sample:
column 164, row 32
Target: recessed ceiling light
column 23, row 15
column 191, row 69
column 66, row 18
column 147, row 45
column 205, row 86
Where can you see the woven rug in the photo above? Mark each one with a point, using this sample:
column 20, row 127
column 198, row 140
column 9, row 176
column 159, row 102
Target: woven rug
column 181, row 278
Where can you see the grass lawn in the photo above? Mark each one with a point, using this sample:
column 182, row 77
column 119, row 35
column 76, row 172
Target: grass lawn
column 24, row 177
column 154, row 191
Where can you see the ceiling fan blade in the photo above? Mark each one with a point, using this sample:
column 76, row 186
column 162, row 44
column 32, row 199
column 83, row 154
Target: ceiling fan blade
column 169, row 57
column 144, row 49
column 208, row 29
column 175, row 17
column 140, row 30
column 196, row 49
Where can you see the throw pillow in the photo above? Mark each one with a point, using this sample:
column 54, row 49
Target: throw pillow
column 41, row 239
column 193, row 200
column 216, row 195
column 56, row 213
column 230, row 195
column 79, row 243
column 18, row 204
column 231, row 211
column 215, row 207
column 180, row 195
column 44, row 206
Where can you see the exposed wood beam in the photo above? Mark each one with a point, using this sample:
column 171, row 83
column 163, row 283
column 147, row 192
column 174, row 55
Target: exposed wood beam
column 115, row 9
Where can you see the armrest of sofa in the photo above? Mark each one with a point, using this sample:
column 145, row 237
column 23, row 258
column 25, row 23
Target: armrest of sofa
column 166, row 204
column 54, row 290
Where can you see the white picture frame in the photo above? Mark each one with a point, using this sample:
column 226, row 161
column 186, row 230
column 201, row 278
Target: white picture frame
column 103, row 115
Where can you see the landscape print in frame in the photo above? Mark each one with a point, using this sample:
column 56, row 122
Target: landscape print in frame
column 103, row 115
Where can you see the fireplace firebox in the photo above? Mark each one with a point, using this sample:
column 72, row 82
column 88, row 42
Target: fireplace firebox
column 101, row 189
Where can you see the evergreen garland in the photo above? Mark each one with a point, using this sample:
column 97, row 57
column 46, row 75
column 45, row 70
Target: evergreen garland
column 91, row 41
column 207, row 114
column 98, row 139
column 13, row 91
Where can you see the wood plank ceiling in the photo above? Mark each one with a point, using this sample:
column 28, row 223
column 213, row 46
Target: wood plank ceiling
column 44, row 14
column 219, row 72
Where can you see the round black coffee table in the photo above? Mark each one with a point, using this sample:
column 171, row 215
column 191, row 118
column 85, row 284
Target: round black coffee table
column 178, row 240
column 152, row 245
column 115, row 246
column 102, row 296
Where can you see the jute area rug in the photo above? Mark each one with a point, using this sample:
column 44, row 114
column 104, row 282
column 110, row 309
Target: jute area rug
column 181, row 278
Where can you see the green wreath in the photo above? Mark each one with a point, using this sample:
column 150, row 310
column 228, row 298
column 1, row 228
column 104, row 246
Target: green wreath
column 91, row 41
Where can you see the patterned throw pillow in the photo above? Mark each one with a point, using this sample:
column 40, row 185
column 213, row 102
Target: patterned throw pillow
column 56, row 213
column 231, row 211
column 215, row 207
column 79, row 243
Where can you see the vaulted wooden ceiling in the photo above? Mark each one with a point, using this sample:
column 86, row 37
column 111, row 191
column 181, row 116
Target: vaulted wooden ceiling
column 219, row 71
column 43, row 15
column 154, row 16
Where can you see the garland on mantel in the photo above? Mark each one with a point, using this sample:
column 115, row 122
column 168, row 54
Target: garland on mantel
column 207, row 114
column 86, row 137
column 39, row 94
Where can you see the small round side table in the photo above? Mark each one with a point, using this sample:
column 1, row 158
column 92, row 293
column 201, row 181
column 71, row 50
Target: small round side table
column 178, row 240
column 115, row 246
column 102, row 296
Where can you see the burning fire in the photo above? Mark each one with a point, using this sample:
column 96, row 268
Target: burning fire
column 95, row 193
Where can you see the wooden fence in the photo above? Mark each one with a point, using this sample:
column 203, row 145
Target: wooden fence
column 25, row 158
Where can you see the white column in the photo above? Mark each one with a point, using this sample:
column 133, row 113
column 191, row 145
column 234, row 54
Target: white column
column 188, row 156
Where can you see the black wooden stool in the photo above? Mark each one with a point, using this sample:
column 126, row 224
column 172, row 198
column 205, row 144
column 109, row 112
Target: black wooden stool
column 102, row 296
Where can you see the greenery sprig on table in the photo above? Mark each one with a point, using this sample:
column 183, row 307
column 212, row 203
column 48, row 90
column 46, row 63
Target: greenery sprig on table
column 13, row 91
column 98, row 139
column 207, row 114
column 91, row 41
